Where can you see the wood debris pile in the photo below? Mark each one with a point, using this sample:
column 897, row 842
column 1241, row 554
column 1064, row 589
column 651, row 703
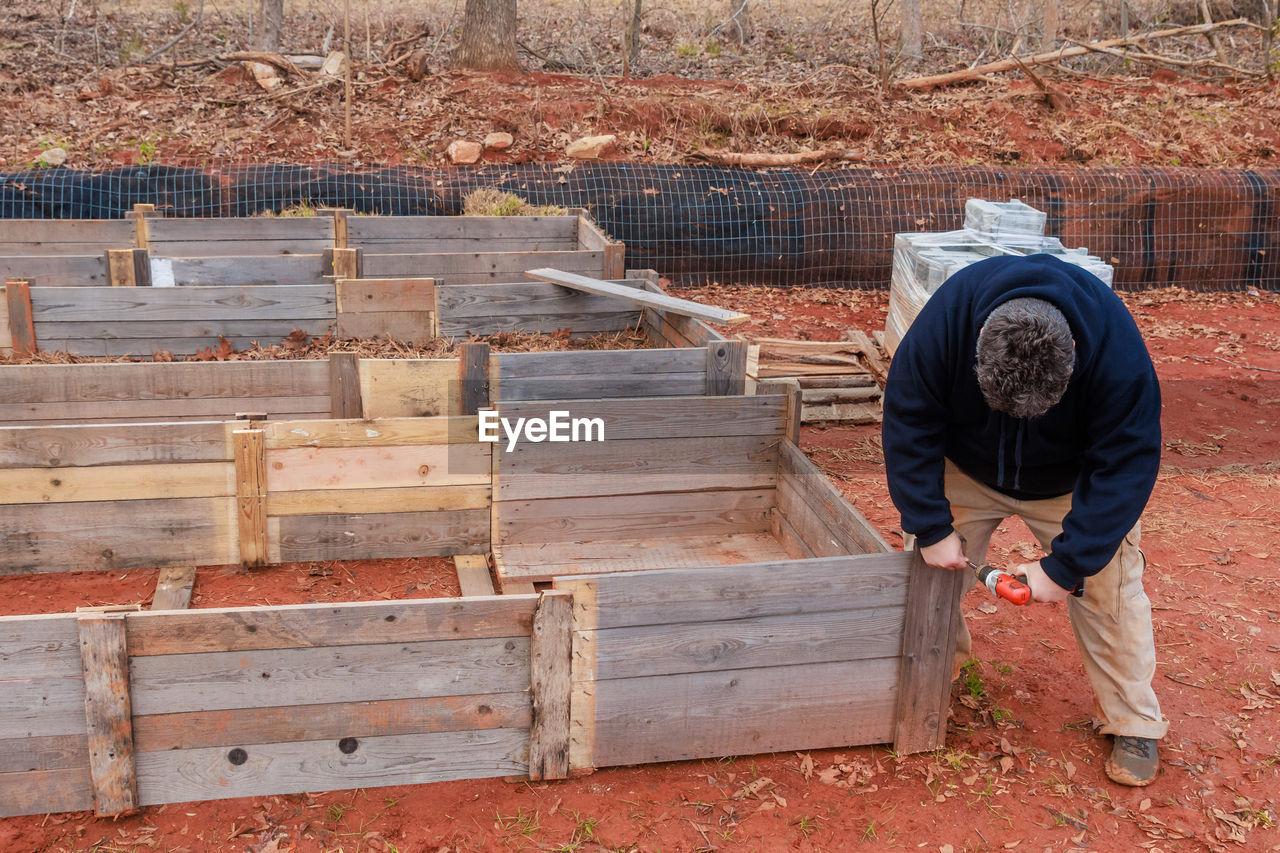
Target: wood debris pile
column 839, row 380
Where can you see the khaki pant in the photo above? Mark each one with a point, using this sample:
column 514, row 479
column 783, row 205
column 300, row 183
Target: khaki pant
column 1112, row 621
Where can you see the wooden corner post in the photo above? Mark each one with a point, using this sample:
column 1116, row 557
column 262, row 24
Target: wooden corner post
column 251, row 496
column 22, row 327
column 345, row 398
column 726, row 368
column 108, row 712
column 473, row 377
column 795, row 401
column 141, row 230
column 928, row 651
column 550, row 651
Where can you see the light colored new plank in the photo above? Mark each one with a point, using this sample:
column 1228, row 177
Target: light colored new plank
column 674, row 418
column 396, row 388
column 167, row 684
column 550, row 649
column 727, row 642
column 335, row 720
column 290, row 768
column 317, row 468
column 251, row 496
column 777, row 588
column 258, row 270
column 364, row 501
column 635, row 466
column 383, row 432
column 6, row 336
column 382, row 535
column 742, row 712
column 632, row 516
column 473, row 574
column 107, row 713
column 82, row 383
column 544, row 561
column 291, row 626
column 117, row 483
column 176, row 304
column 805, row 482
column 119, row 535
column 669, row 304
column 173, row 588
column 45, row 791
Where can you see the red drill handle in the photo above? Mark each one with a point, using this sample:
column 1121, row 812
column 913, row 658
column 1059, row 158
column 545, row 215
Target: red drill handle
column 1002, row 583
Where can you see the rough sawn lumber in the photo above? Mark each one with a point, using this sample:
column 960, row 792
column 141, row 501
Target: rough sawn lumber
column 661, row 301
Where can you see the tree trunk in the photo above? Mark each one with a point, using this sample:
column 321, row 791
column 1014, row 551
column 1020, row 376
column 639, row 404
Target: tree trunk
column 1050, row 27
column 738, row 25
column 630, row 34
column 488, row 37
column 272, row 14
column 911, row 38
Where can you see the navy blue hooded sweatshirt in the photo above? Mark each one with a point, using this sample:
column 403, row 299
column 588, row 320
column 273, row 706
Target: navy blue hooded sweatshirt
column 1100, row 443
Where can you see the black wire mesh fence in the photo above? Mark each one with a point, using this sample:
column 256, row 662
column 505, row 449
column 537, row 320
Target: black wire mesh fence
column 1215, row 230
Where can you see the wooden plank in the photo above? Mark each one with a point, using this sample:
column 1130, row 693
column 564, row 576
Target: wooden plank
column 120, row 268
column 147, row 346
column 319, row 468
column 871, row 354
column 578, row 325
column 514, row 587
column 384, row 535
column 51, row 752
column 596, row 386
column 47, row 383
column 473, row 377
column 929, row 643
column 726, row 368
column 778, row 588
column 291, row 768
column 43, row 678
column 675, row 418
column 532, row 299
column 632, row 516
column 295, row 302
column 377, row 231
column 293, row 626
column 332, row 721
column 240, row 236
column 729, row 642
column 22, row 330
column 397, row 387
column 480, row 267
column 787, row 536
column 550, row 648
column 385, row 294
column 251, row 492
column 794, row 413
column 535, row 365
column 73, row 270
column 108, row 713
column 473, row 574
column 118, row 535
column 344, row 385
column 839, row 394
column 636, row 466
column 669, row 304
column 116, row 483
column 368, row 501
column 855, row 413
column 416, row 328
column 6, row 336
column 744, row 711
column 213, row 681
column 383, row 432
column 64, row 236
column 173, row 588
column 140, row 215
column 542, row 561
column 45, row 791
column 258, row 270
column 802, row 480
column 160, row 410
column 347, row 263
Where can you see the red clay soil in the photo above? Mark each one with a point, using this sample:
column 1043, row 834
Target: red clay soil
column 1021, row 767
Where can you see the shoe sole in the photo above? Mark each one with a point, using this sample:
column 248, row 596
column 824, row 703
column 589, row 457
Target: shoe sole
column 1124, row 777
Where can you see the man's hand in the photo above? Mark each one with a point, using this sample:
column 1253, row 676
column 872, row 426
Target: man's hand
column 1043, row 587
column 947, row 554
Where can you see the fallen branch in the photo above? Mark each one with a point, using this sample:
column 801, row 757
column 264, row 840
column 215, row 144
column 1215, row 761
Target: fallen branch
column 1156, row 59
column 728, row 158
column 1056, row 99
column 274, row 59
column 179, row 37
column 1058, row 55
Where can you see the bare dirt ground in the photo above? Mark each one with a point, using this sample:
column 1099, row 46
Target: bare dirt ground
column 1021, row 768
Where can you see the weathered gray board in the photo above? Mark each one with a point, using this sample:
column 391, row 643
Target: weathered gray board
column 598, row 374
column 241, row 270
column 535, row 306
column 64, row 236
column 180, row 320
column 202, row 238
column 56, row 270
column 269, row 700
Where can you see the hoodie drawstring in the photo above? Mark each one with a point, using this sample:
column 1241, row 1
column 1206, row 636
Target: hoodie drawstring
column 1017, row 456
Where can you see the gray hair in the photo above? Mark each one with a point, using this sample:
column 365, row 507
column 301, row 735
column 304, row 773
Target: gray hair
column 1025, row 357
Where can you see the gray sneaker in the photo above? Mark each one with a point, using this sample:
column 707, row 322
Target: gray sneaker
column 1134, row 761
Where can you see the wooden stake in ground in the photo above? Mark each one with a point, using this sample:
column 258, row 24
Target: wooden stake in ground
column 346, row 45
